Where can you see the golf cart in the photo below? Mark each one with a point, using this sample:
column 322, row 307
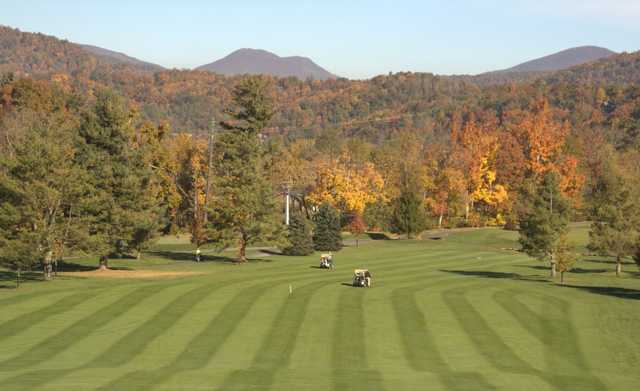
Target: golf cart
column 362, row 278
column 326, row 261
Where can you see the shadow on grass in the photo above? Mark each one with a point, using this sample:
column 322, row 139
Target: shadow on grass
column 608, row 262
column 623, row 293
column 535, row 267
column 188, row 257
column 8, row 278
column 497, row 275
column 270, row 252
column 377, row 236
column 577, row 270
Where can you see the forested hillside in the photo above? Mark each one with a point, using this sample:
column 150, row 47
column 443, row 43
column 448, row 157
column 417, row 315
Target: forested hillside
column 450, row 150
column 371, row 108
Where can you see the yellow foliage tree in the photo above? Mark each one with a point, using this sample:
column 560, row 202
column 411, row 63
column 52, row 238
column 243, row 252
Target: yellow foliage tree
column 188, row 169
column 347, row 188
column 489, row 194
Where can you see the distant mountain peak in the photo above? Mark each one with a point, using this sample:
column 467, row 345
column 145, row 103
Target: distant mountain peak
column 114, row 57
column 562, row 60
column 259, row 61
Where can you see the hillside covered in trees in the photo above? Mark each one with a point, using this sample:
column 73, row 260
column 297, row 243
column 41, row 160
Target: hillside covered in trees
column 445, row 151
column 189, row 99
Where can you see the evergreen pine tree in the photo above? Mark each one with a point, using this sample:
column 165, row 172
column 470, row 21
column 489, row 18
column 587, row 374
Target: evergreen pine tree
column 614, row 230
column 243, row 209
column 39, row 186
column 299, row 236
column 409, row 216
column 327, row 233
column 121, row 177
column 544, row 219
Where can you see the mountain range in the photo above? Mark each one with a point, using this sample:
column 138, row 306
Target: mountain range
column 562, row 60
column 37, row 53
column 256, row 61
column 120, row 58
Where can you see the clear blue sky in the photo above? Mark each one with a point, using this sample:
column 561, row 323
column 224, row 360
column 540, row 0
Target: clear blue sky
column 352, row 38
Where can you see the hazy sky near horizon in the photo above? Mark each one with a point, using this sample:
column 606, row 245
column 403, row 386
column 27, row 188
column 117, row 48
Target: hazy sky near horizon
column 355, row 39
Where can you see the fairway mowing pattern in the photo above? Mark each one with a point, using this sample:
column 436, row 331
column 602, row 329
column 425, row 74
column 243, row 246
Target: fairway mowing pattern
column 28, row 320
column 421, row 350
column 349, row 356
column 203, row 346
column 453, row 313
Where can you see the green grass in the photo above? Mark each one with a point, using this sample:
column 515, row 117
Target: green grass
column 465, row 312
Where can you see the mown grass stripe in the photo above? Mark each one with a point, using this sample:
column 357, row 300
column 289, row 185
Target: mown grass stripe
column 489, row 344
column 132, row 344
column 202, row 347
column 420, row 348
column 278, row 345
column 20, row 324
column 126, row 348
column 554, row 330
column 71, row 335
column 349, row 355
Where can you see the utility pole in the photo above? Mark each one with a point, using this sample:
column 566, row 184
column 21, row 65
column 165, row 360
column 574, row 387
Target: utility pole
column 212, row 130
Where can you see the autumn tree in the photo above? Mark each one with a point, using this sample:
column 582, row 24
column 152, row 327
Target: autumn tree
column 243, row 209
column 187, row 170
column 544, row 142
column 357, row 227
column 565, row 256
column 161, row 198
column 346, row 187
column 488, row 195
column 474, row 146
column 445, row 196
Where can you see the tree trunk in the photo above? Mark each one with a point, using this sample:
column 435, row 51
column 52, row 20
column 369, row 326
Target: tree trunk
column 357, row 245
column 47, row 266
column 440, row 221
column 561, row 277
column 242, row 253
column 104, row 263
column 618, row 266
column 18, row 279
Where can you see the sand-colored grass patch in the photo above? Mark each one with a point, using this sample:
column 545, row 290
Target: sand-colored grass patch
column 115, row 273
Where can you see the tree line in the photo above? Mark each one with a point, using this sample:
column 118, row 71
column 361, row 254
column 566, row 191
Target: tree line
column 90, row 173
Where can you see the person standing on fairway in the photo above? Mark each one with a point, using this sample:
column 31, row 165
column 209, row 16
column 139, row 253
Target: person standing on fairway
column 198, row 254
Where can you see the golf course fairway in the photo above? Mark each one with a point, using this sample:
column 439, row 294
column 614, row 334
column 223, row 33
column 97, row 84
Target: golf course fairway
column 463, row 312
